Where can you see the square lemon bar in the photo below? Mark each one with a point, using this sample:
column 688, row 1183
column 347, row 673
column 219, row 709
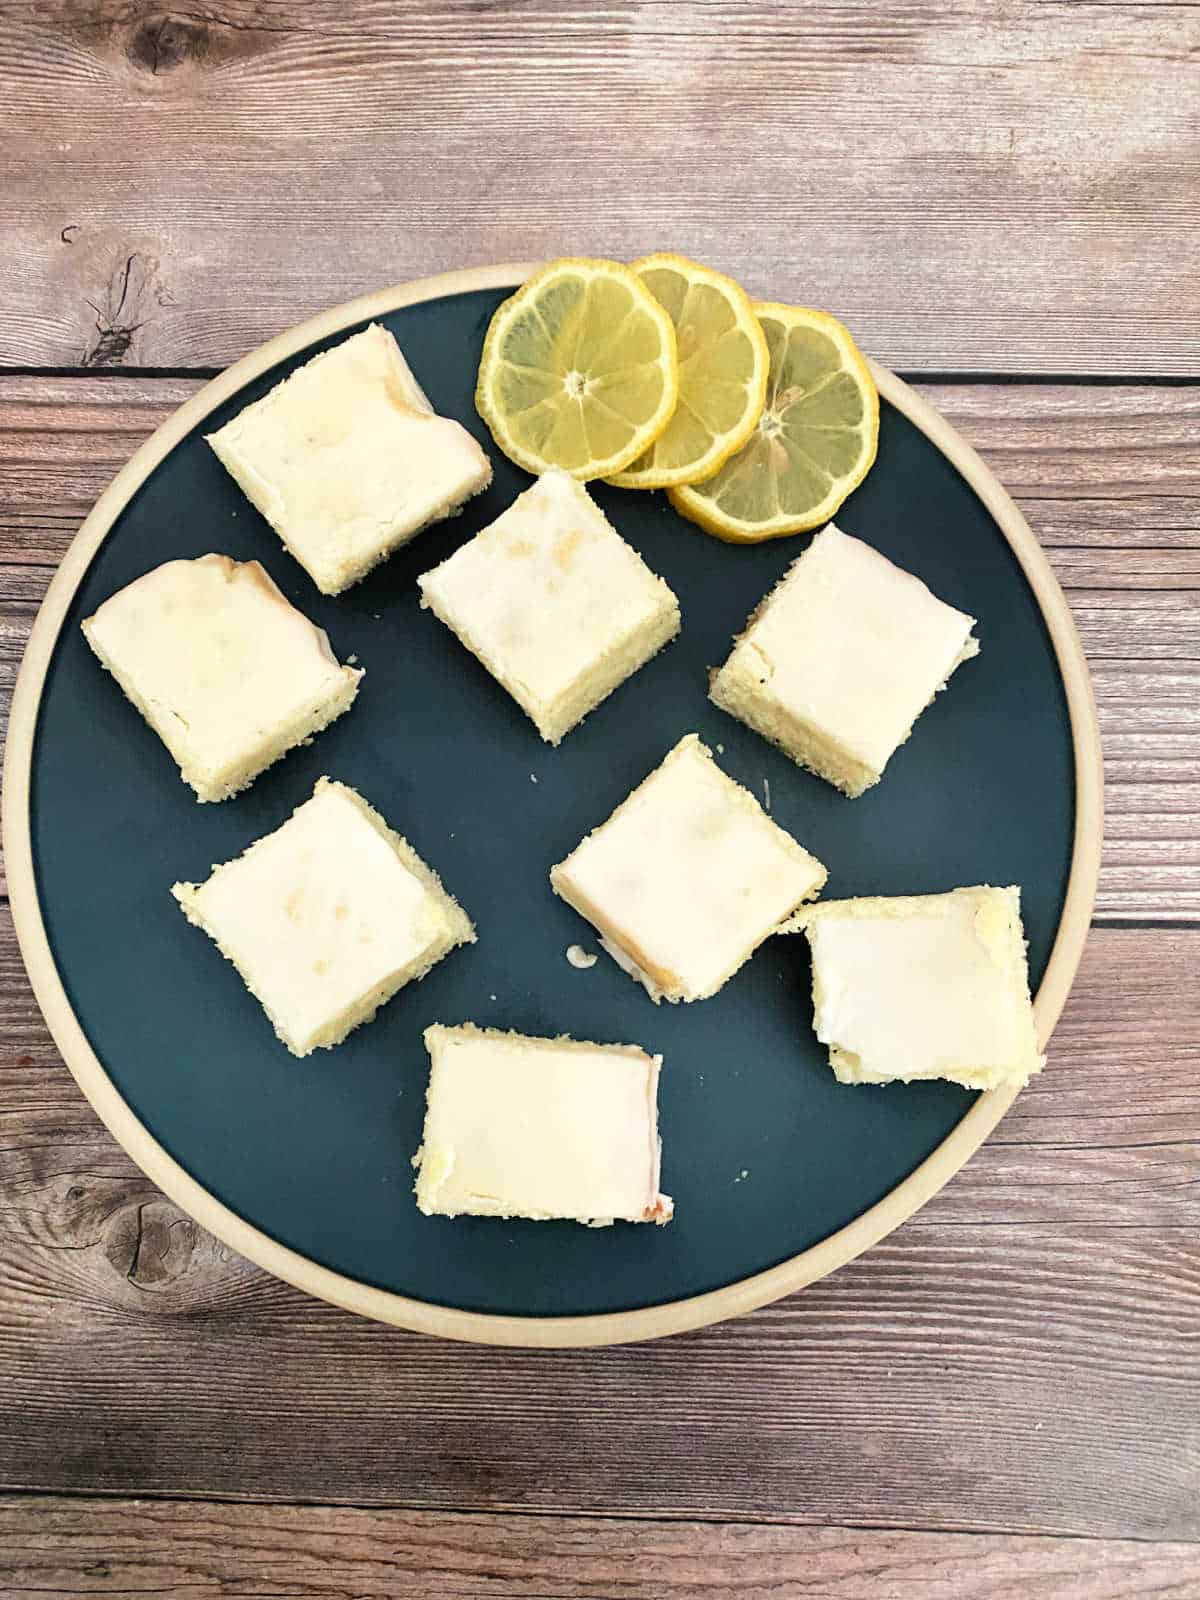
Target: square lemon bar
column 687, row 877
column 840, row 659
column 224, row 669
column 540, row 1128
column 327, row 917
column 923, row 986
column 555, row 604
column 347, row 459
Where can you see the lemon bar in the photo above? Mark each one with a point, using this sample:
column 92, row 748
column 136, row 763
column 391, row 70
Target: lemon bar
column 924, row 986
column 555, row 604
column 327, row 917
column 840, row 659
column 687, row 877
column 347, row 459
column 224, row 669
column 540, row 1128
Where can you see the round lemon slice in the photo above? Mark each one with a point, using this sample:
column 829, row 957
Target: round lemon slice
column 578, row 370
column 814, row 443
column 723, row 366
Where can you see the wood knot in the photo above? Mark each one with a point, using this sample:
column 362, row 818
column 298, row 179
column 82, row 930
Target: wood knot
column 162, row 1261
column 120, row 315
column 161, row 44
column 149, row 1243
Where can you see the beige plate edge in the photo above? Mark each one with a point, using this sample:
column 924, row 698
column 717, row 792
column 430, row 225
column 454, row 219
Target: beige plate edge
column 617, row 1327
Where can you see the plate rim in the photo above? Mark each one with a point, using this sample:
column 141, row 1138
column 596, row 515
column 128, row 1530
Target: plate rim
column 420, row 1316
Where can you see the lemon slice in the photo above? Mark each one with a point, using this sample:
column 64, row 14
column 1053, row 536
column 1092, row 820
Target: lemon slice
column 578, row 370
column 722, row 373
column 814, row 443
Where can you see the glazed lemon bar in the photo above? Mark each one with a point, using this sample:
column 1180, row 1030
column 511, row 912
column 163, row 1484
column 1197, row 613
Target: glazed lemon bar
column 224, row 669
column 687, row 877
column 327, row 917
column 347, row 459
column 540, row 1128
column 923, row 986
column 840, row 659
column 555, row 604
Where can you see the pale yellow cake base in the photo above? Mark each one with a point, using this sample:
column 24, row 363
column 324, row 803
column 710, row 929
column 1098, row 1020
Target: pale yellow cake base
column 224, row 782
column 540, row 1129
column 455, row 929
column 555, row 604
column 839, row 660
column 347, row 459
column 343, row 571
column 941, row 988
column 794, row 877
column 736, row 689
column 555, row 720
column 228, row 673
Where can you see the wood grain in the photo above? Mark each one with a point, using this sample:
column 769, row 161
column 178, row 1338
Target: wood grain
column 985, row 189
column 74, row 1548
column 1020, row 1356
column 978, row 188
column 1108, row 476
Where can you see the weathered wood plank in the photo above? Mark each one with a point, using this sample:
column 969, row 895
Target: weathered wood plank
column 1110, row 477
column 1103, row 467
column 73, row 1548
column 975, row 188
column 1025, row 1345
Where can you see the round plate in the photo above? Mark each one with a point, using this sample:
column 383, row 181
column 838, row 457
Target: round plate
column 779, row 1174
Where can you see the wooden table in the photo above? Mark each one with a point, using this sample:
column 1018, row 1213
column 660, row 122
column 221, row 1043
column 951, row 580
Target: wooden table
column 1003, row 200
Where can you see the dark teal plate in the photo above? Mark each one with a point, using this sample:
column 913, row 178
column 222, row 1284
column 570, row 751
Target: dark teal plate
column 764, row 1153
